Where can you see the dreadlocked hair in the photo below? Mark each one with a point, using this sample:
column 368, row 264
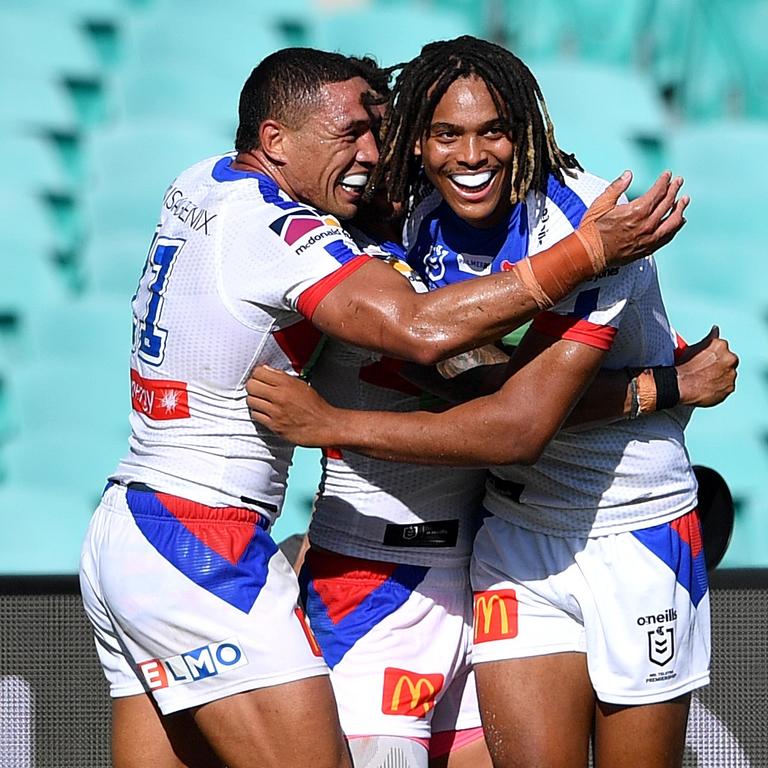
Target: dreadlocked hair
column 514, row 90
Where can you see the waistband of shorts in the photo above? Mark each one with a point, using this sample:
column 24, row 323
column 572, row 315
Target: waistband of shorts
column 325, row 564
column 149, row 502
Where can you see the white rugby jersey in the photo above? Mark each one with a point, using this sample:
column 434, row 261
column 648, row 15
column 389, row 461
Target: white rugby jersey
column 622, row 476
column 234, row 271
column 381, row 510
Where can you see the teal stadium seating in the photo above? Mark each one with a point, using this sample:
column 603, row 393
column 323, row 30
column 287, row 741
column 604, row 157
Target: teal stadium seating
column 131, row 164
column 105, row 103
column 390, row 35
column 610, row 117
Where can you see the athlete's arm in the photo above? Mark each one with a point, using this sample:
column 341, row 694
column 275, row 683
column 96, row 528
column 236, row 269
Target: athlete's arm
column 705, row 372
column 511, row 426
column 374, row 308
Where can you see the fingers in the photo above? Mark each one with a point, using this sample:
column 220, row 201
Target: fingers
column 608, row 198
column 650, row 200
column 618, row 186
column 669, row 227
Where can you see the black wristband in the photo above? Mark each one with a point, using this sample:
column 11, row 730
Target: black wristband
column 667, row 391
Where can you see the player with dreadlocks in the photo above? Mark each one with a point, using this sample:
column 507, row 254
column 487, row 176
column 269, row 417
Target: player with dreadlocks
column 569, row 642
column 515, row 94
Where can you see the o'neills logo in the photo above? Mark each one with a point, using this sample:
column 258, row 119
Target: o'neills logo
column 495, row 615
column 159, row 399
column 409, row 693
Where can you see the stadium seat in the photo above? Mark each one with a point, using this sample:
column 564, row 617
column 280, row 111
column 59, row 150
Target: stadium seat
column 713, row 265
column 36, row 109
column 30, row 163
column 608, row 99
column 95, row 330
column 43, row 530
column 721, row 159
column 71, row 460
column 202, row 40
column 398, row 37
column 131, row 165
column 70, row 395
column 148, row 91
column 111, row 266
column 33, row 50
column 593, row 30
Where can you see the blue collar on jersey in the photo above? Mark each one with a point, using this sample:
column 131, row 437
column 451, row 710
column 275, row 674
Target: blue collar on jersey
column 448, row 249
column 268, row 187
column 223, row 171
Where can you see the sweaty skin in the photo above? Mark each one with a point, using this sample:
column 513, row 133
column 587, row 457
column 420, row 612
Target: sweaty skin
column 292, row 409
column 373, row 307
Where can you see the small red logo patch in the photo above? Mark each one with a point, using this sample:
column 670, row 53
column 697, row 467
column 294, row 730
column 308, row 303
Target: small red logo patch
column 495, row 615
column 159, row 399
column 409, row 693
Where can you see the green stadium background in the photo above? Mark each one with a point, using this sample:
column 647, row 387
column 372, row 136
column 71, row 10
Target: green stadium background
column 103, row 102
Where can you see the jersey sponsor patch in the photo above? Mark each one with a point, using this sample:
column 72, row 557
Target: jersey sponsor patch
column 409, row 693
column 306, row 226
column 159, row 399
column 439, row 533
column 197, row 664
column 495, row 615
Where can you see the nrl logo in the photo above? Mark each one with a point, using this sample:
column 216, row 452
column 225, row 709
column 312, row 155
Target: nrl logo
column 661, row 645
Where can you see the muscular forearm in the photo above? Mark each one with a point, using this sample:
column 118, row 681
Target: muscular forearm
column 468, row 435
column 608, row 398
column 374, row 308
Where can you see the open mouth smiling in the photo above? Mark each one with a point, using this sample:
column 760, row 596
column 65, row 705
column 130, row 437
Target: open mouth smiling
column 472, row 182
column 354, row 182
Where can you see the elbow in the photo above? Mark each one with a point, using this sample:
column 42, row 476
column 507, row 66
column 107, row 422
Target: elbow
column 422, row 348
column 520, row 446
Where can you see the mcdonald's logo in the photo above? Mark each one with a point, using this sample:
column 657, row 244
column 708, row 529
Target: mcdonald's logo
column 495, row 615
column 409, row 693
column 309, row 634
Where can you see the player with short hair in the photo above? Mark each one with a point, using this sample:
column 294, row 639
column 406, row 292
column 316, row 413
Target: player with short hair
column 194, row 610
column 542, row 563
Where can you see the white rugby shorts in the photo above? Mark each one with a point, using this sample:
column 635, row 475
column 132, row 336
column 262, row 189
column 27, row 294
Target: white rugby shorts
column 190, row 603
column 398, row 640
column 637, row 603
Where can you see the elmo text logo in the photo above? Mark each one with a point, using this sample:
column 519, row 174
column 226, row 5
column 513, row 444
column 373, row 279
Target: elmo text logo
column 191, row 666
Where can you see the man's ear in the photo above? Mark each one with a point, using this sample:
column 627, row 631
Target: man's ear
column 417, row 147
column 273, row 137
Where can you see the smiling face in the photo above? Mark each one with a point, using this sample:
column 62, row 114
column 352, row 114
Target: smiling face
column 467, row 153
column 331, row 154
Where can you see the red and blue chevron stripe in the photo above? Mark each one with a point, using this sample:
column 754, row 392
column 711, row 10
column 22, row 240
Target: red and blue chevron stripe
column 679, row 545
column 224, row 550
column 345, row 597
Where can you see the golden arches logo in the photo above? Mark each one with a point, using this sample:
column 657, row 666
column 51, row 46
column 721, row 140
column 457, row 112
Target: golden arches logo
column 500, row 603
column 409, row 693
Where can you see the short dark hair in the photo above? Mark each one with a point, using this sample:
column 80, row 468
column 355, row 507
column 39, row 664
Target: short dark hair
column 423, row 82
column 286, row 85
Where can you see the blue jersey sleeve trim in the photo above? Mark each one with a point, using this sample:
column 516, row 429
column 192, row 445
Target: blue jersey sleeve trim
column 572, row 206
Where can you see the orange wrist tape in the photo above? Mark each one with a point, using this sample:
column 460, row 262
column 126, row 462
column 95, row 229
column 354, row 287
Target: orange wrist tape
column 559, row 269
column 646, row 391
column 528, row 279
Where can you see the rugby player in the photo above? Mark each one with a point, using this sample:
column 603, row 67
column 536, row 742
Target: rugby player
column 208, row 658
column 555, row 628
